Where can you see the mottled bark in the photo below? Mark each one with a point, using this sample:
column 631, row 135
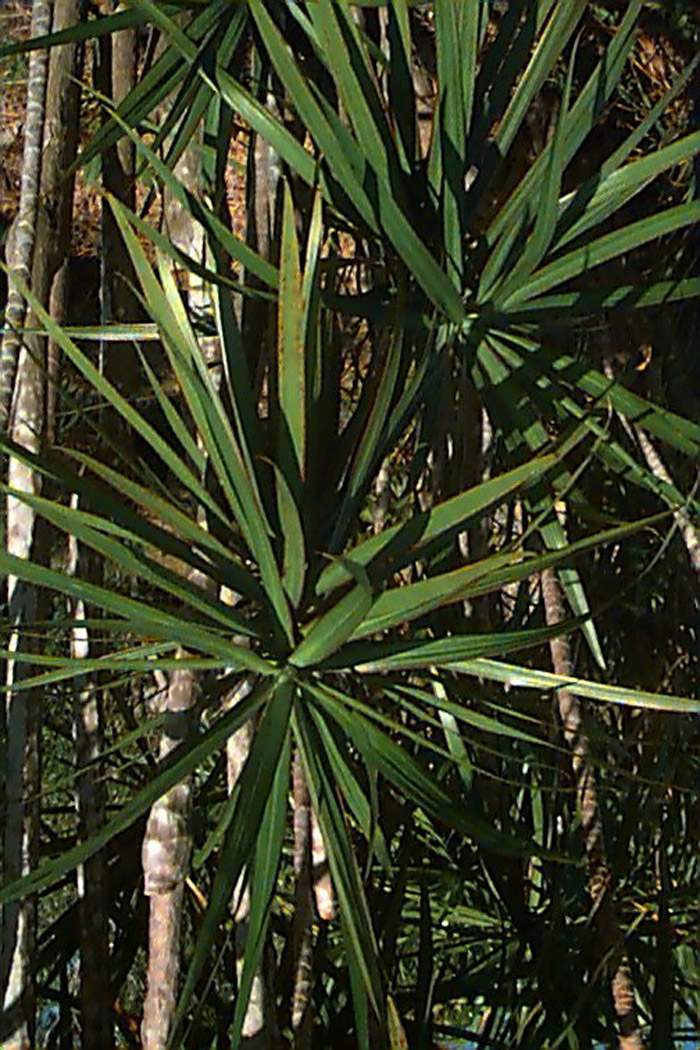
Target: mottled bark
column 302, row 946
column 600, row 878
column 166, row 845
column 322, row 882
column 263, row 179
column 165, row 858
column 58, row 308
column 382, row 496
column 39, row 236
column 50, row 283
column 25, row 223
column 95, row 992
column 21, row 825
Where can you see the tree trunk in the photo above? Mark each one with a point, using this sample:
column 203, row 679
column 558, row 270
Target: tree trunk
column 256, row 1023
column 22, row 237
column 95, row 992
column 600, row 878
column 26, row 392
column 115, row 74
column 166, row 852
column 166, row 846
column 302, row 946
column 49, row 278
column 657, row 466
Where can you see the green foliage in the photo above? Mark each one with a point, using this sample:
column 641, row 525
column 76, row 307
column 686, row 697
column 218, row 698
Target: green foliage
column 378, row 654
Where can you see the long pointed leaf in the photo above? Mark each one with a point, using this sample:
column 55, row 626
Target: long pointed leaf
column 183, row 761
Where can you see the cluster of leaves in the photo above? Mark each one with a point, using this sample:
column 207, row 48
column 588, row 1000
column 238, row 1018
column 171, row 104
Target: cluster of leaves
column 448, row 819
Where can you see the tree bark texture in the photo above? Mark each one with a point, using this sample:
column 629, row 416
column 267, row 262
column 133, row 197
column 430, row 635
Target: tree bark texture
column 50, row 285
column 166, row 846
column 255, row 1025
column 165, row 857
column 600, row 878
column 23, row 233
column 302, row 947
column 39, row 236
column 264, row 172
column 21, row 728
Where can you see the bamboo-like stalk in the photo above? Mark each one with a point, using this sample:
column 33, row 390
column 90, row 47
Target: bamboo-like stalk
column 600, row 879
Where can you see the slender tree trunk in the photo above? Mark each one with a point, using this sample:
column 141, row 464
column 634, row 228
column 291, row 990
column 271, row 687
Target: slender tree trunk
column 656, row 465
column 23, row 234
column 324, row 894
column 257, row 1023
column 115, row 74
column 166, row 852
column 50, row 280
column 96, row 998
column 166, row 846
column 58, row 308
column 658, row 468
column 312, row 883
column 262, row 188
column 26, row 392
column 600, row 878
column 302, row 947
column 50, row 274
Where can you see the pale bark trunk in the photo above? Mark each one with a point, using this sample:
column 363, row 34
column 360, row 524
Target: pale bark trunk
column 302, row 946
column 658, row 468
column 323, row 885
column 166, row 906
column 24, row 230
column 312, row 883
column 26, row 392
column 166, row 846
column 50, row 279
column 381, row 497
column 600, row 878
column 254, row 1031
column 58, row 308
column 166, row 851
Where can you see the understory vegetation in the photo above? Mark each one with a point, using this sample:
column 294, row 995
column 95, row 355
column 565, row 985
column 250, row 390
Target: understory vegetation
column 350, row 420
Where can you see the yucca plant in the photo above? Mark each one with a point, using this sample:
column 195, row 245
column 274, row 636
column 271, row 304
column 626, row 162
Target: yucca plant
column 247, row 548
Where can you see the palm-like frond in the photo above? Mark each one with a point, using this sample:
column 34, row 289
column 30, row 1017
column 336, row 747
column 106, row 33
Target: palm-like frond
column 365, row 657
